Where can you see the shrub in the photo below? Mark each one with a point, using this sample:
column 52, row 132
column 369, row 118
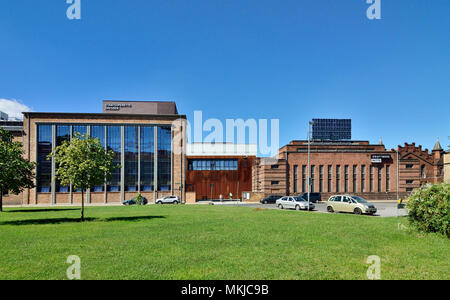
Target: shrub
column 429, row 208
column 140, row 200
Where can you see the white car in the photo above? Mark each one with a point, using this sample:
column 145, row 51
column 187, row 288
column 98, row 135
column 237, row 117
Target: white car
column 168, row 200
column 297, row 203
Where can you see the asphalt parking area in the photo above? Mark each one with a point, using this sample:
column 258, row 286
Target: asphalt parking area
column 384, row 209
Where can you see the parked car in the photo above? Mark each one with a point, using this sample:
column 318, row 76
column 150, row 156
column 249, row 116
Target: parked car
column 296, row 203
column 313, row 197
column 168, row 200
column 270, row 199
column 133, row 201
column 350, row 203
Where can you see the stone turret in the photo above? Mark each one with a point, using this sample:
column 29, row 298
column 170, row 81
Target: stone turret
column 437, row 150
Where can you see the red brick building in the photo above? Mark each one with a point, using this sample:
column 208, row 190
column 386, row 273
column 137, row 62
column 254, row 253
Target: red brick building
column 356, row 167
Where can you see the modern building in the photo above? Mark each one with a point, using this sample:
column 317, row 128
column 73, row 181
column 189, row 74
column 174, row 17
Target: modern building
column 220, row 170
column 357, row 167
column 148, row 139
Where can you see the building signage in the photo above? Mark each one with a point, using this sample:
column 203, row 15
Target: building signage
column 117, row 106
column 378, row 158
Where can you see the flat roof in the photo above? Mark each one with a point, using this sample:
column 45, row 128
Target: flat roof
column 118, row 116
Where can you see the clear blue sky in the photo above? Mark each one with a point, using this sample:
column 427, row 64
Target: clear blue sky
column 288, row 59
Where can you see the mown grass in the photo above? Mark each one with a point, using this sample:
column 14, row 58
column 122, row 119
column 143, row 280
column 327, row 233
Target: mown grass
column 213, row 242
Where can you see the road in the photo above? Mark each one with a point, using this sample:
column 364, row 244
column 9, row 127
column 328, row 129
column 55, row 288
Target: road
column 384, row 209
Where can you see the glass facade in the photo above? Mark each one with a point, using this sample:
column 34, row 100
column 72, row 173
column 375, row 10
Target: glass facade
column 135, row 145
column 44, row 166
column 62, row 134
column 114, row 143
column 131, row 158
column 213, row 164
column 164, row 158
column 81, row 129
column 98, row 132
column 147, row 158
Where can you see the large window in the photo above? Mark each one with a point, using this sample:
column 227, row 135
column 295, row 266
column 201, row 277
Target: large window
column 313, row 175
column 330, row 174
column 355, row 176
column 295, row 179
column 379, row 179
column 213, row 164
column 363, row 178
column 388, row 175
column 147, row 158
column 164, row 158
column 303, row 179
column 346, row 179
column 338, row 179
column 114, row 143
column 62, row 134
column 371, row 178
column 321, row 179
column 81, row 129
column 98, row 132
column 131, row 158
column 44, row 166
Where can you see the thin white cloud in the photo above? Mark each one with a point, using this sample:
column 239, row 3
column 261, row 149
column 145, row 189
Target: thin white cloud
column 13, row 108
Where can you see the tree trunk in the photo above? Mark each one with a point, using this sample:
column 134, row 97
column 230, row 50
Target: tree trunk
column 1, row 200
column 82, row 206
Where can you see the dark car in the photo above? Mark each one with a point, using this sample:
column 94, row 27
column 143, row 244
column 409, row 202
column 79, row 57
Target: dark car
column 270, row 199
column 313, row 197
column 133, row 201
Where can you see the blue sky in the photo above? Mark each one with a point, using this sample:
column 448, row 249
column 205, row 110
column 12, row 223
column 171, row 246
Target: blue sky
column 292, row 60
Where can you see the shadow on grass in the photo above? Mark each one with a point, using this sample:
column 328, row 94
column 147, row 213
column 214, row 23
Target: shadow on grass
column 76, row 220
column 46, row 221
column 139, row 218
column 39, row 210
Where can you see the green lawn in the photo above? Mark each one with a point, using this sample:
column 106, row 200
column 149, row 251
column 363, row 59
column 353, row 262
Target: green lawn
column 213, row 242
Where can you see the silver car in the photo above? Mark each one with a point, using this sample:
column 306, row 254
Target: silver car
column 168, row 200
column 297, row 203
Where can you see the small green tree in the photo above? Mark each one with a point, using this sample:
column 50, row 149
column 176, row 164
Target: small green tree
column 82, row 163
column 16, row 173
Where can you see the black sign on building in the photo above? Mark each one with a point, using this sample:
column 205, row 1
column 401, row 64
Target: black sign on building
column 332, row 129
